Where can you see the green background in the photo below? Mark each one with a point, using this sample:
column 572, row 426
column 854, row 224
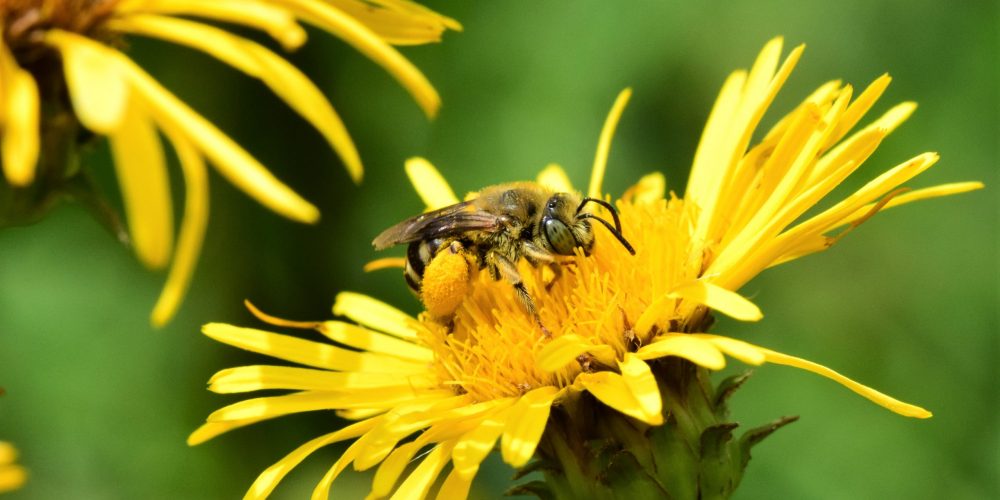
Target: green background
column 100, row 404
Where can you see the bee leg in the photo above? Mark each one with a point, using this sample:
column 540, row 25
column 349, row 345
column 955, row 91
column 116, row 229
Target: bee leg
column 508, row 271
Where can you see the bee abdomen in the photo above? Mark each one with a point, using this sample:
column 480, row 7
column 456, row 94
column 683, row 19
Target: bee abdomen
column 418, row 256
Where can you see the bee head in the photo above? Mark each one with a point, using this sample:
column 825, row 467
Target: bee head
column 565, row 226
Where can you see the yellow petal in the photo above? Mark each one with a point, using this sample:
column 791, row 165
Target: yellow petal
column 385, row 263
column 269, row 479
column 747, row 353
column 697, row 350
column 12, row 477
column 279, row 75
column 144, row 183
column 262, row 377
column 299, row 402
column 525, row 425
column 564, row 350
column 374, row 314
column 915, row 195
column 430, row 185
column 604, row 143
column 392, row 467
column 19, row 130
column 641, row 383
column 209, row 430
column 907, row 410
column 95, row 78
column 309, row 353
column 858, row 108
column 554, row 177
column 650, row 189
column 322, row 490
column 368, row 340
column 611, row 389
column 398, row 22
column 474, row 446
column 419, row 482
column 720, row 299
column 192, row 232
column 367, row 42
column 276, row 22
column 455, row 485
column 232, row 161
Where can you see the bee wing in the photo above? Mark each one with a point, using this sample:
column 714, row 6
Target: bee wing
column 448, row 221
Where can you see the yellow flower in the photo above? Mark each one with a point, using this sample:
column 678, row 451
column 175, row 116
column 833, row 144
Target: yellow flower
column 53, row 47
column 12, row 476
column 492, row 376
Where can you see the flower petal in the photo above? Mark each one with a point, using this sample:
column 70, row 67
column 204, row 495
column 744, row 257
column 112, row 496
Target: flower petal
column 19, row 130
column 192, row 232
column 275, row 21
column 430, row 185
column 564, row 350
column 455, row 485
column 398, row 22
column 641, row 383
column 420, row 480
column 375, row 342
column 747, row 353
column 525, row 425
column 651, row 188
column 385, row 263
column 474, row 446
column 269, row 479
column 322, row 490
column 364, row 40
column 229, row 158
column 554, row 177
column 374, row 314
column 611, row 389
column 604, row 143
column 309, row 353
column 95, row 78
column 279, row 75
column 697, row 350
column 905, row 409
column 299, row 402
column 262, row 377
column 144, row 182
column 720, row 299
column 209, row 430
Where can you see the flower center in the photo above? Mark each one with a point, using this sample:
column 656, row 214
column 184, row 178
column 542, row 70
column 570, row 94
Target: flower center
column 24, row 21
column 491, row 351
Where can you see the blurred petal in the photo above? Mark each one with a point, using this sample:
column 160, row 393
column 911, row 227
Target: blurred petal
column 275, row 21
column 651, row 188
column 604, row 143
column 279, row 75
column 229, row 158
column 455, row 485
column 397, row 21
column 95, row 79
column 192, row 232
column 364, row 40
column 19, row 142
column 554, row 177
column 430, row 185
column 144, row 182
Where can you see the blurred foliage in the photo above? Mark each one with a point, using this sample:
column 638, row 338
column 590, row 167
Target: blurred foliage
column 100, row 404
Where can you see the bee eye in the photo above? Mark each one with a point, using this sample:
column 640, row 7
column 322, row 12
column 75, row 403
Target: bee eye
column 559, row 236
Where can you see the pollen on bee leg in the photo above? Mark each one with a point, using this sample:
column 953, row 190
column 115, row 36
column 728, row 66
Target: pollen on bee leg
column 446, row 282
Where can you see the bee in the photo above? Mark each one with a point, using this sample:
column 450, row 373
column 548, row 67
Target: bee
column 493, row 231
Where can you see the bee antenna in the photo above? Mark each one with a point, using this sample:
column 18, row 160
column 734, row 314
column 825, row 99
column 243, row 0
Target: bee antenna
column 614, row 231
column 614, row 213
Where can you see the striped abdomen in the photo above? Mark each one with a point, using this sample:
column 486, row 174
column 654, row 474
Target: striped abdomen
column 418, row 256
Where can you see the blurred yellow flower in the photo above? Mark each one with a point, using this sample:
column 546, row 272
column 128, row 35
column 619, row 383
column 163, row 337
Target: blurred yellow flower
column 51, row 48
column 493, row 376
column 12, row 476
